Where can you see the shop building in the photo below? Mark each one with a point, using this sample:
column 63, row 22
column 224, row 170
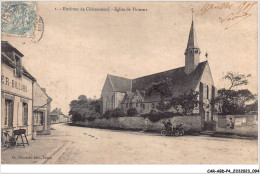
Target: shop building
column 16, row 91
column 41, row 110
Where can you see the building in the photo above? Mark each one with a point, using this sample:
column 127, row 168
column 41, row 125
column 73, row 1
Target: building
column 41, row 110
column 16, row 91
column 57, row 116
column 124, row 93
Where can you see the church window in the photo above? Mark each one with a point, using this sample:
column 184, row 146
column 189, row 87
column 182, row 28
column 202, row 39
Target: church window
column 207, row 92
column 143, row 106
column 126, row 105
column 213, row 92
column 196, row 51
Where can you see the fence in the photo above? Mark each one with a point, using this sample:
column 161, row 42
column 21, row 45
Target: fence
column 246, row 125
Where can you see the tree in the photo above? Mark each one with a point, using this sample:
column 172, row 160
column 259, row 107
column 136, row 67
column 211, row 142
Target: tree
column 96, row 103
column 185, row 102
column 252, row 107
column 243, row 96
column 236, row 79
column 82, row 97
column 164, row 89
column 113, row 113
column 163, row 106
column 231, row 101
column 84, row 108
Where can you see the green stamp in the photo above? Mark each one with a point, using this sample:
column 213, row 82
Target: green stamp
column 18, row 18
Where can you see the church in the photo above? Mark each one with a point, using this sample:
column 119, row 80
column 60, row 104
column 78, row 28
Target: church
column 124, row 93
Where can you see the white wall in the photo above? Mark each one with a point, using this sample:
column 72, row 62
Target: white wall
column 12, row 86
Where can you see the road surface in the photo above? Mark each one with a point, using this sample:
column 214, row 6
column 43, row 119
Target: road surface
column 102, row 146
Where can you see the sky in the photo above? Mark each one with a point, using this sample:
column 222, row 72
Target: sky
column 79, row 48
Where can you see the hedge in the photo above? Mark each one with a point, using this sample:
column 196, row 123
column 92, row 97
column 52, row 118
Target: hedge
column 113, row 113
column 156, row 117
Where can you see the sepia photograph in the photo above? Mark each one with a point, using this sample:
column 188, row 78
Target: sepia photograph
column 161, row 82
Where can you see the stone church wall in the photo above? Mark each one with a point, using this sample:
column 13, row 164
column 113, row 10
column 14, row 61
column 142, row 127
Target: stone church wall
column 206, row 93
column 107, row 96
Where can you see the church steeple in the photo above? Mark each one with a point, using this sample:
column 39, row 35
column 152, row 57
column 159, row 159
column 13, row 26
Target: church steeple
column 192, row 51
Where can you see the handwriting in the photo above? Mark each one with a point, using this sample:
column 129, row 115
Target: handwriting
column 237, row 11
column 210, row 7
column 241, row 13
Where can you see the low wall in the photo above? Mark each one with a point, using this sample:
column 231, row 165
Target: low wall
column 190, row 123
column 246, row 125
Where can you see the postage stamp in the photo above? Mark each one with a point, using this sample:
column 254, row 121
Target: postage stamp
column 18, row 18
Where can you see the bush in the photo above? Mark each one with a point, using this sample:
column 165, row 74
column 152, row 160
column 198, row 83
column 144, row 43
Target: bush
column 91, row 118
column 77, row 117
column 154, row 111
column 156, row 117
column 84, row 109
column 113, row 113
column 132, row 112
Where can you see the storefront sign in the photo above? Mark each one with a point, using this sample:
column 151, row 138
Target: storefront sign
column 12, row 83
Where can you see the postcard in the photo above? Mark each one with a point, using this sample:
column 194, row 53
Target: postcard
column 163, row 82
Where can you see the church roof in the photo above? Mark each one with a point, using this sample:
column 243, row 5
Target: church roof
column 182, row 82
column 133, row 96
column 120, row 84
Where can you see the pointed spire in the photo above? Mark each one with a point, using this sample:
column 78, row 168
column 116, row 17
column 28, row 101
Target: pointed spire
column 192, row 42
column 192, row 13
column 192, row 52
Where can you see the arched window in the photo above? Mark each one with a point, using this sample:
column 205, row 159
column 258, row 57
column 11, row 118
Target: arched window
column 201, row 89
column 207, row 91
column 213, row 92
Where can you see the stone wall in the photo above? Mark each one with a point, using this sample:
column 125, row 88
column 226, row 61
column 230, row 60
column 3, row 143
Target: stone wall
column 190, row 123
column 246, row 125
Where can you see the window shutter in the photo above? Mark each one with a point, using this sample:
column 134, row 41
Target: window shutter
column 25, row 107
column 11, row 110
